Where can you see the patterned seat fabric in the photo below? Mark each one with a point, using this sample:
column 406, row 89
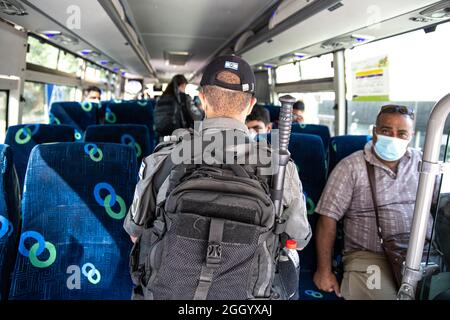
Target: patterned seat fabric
column 322, row 131
column 135, row 135
column 274, row 112
column 23, row 138
column 343, row 146
column 9, row 218
column 131, row 112
column 79, row 115
column 73, row 245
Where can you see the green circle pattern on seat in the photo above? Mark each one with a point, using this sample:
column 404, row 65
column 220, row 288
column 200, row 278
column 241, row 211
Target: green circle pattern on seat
column 110, row 116
column 27, row 132
column 86, row 106
column 43, row 264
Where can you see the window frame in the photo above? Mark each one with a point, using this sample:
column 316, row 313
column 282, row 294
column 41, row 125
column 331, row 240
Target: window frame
column 40, row 68
column 7, row 108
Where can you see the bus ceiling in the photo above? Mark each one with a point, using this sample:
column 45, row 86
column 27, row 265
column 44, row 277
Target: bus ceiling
column 160, row 38
column 324, row 27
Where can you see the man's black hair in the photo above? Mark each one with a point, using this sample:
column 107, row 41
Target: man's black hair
column 93, row 88
column 398, row 109
column 259, row 113
column 299, row 105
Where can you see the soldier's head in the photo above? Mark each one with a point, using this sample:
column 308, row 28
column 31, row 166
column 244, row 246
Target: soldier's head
column 228, row 88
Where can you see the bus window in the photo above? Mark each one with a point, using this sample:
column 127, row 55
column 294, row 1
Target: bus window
column 3, row 114
column 33, row 108
column 442, row 226
column 60, row 93
column 92, row 73
column 69, row 63
column 319, row 107
column 317, row 68
column 288, row 73
column 410, row 69
column 39, row 96
column 42, row 54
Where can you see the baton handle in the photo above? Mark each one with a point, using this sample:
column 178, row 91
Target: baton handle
column 285, row 128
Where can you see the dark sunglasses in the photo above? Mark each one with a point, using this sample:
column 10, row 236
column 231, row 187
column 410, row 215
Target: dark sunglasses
column 398, row 109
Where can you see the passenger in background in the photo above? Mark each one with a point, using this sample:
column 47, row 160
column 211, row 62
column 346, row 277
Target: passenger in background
column 348, row 195
column 299, row 112
column 258, row 122
column 174, row 109
column 197, row 109
column 92, row 94
column 143, row 95
column 198, row 102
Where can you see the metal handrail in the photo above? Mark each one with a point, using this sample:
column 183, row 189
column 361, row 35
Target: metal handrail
column 429, row 169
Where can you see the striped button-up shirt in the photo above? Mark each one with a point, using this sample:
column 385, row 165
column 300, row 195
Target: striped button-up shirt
column 347, row 195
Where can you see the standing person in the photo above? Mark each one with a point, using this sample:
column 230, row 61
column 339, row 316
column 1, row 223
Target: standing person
column 348, row 195
column 225, row 236
column 174, row 109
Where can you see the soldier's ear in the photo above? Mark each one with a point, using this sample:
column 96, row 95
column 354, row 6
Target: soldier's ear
column 252, row 104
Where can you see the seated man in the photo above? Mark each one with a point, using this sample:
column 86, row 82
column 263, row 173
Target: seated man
column 348, row 194
column 258, row 122
column 92, row 94
column 299, row 112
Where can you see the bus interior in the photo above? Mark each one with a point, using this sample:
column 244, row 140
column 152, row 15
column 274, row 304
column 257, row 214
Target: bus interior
column 343, row 58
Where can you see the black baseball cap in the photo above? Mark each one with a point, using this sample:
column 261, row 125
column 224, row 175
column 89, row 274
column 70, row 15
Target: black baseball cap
column 232, row 64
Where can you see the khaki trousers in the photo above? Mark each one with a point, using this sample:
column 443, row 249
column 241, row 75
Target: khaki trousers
column 367, row 276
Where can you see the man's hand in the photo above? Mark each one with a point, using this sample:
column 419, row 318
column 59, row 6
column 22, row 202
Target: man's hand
column 134, row 239
column 326, row 281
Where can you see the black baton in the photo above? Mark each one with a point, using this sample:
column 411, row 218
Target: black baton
column 285, row 128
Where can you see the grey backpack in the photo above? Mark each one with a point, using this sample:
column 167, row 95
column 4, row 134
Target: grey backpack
column 215, row 236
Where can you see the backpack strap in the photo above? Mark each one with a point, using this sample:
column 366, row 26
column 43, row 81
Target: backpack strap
column 166, row 167
column 213, row 258
column 162, row 174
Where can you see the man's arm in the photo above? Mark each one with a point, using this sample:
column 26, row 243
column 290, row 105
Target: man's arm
column 143, row 202
column 295, row 213
column 334, row 203
column 324, row 277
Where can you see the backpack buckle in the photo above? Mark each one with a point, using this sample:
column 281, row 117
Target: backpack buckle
column 280, row 226
column 214, row 255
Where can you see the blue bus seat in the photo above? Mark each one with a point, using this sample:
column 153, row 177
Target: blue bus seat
column 343, row 146
column 73, row 245
column 274, row 112
column 79, row 115
column 136, row 135
column 320, row 130
column 131, row 112
column 23, row 138
column 9, row 218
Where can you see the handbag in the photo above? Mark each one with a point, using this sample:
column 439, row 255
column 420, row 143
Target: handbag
column 395, row 247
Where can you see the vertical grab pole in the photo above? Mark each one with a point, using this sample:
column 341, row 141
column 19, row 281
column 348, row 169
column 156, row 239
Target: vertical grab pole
column 284, row 127
column 429, row 168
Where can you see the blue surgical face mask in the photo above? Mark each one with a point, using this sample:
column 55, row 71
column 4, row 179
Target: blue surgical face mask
column 389, row 148
column 253, row 134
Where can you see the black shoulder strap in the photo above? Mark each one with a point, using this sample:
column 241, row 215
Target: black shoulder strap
column 162, row 174
column 373, row 189
column 167, row 164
